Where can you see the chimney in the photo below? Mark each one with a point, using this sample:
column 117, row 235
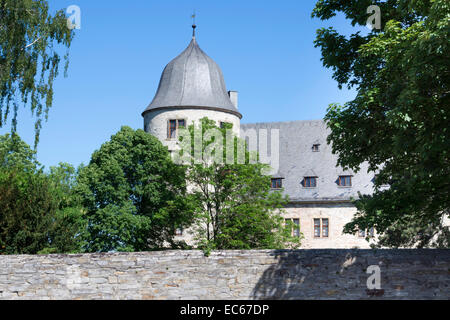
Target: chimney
column 234, row 98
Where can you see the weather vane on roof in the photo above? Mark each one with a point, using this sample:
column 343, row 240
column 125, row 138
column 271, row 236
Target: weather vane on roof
column 193, row 24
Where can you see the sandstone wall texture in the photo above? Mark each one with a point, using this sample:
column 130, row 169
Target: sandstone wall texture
column 261, row 274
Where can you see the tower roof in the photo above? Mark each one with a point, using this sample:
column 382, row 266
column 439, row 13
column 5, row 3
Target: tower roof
column 192, row 80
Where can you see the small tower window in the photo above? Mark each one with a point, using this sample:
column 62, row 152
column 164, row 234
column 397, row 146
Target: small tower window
column 315, row 147
column 173, row 126
column 223, row 124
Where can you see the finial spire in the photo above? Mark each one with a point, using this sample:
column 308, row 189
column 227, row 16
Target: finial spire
column 193, row 25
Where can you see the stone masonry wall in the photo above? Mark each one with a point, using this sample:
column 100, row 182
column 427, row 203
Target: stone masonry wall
column 262, row 274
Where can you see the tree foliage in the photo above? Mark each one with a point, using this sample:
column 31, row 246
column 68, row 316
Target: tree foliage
column 235, row 208
column 70, row 225
column 14, row 152
column 36, row 215
column 29, row 59
column 399, row 121
column 133, row 193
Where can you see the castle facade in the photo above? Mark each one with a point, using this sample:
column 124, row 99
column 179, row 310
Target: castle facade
column 192, row 87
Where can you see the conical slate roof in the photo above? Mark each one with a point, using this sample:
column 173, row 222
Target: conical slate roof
column 192, row 80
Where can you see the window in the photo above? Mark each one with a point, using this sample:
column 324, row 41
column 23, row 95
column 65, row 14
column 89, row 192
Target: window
column 310, row 182
column 315, row 147
column 321, row 228
column 370, row 233
column 296, row 228
column 179, row 231
column 317, row 228
column 173, row 126
column 172, row 129
column 277, row 183
column 223, row 124
column 345, row 181
column 325, row 228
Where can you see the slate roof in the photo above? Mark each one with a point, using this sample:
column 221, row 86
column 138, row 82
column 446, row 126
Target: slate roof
column 297, row 160
column 193, row 79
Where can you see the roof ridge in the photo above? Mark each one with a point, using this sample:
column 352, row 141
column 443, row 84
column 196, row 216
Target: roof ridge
column 191, row 47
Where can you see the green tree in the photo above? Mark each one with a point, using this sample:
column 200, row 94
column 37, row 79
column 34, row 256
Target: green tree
column 69, row 228
column 235, row 207
column 133, row 193
column 399, row 121
column 14, row 152
column 26, row 205
column 29, row 59
column 37, row 214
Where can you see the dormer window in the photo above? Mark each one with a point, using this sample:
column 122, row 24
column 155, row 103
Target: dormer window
column 345, row 181
column 172, row 127
column 277, row 183
column 310, row 182
column 315, row 147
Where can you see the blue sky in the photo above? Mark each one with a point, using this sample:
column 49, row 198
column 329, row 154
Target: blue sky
column 264, row 48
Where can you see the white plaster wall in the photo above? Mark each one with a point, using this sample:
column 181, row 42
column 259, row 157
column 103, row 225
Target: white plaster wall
column 155, row 122
column 338, row 215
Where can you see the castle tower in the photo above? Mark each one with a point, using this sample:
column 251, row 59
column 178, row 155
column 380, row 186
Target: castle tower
column 191, row 87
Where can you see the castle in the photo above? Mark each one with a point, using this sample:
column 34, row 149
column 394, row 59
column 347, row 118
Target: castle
column 192, row 87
